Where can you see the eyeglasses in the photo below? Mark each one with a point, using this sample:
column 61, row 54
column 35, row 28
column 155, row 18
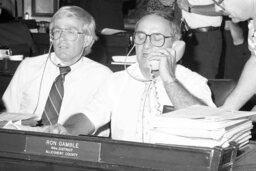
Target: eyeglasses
column 218, row 3
column 156, row 39
column 71, row 35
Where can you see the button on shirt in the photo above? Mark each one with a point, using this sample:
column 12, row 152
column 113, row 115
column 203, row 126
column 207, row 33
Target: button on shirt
column 29, row 89
column 196, row 20
column 131, row 104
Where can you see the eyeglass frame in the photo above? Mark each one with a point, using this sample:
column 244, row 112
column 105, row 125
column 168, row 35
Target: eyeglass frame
column 65, row 30
column 149, row 35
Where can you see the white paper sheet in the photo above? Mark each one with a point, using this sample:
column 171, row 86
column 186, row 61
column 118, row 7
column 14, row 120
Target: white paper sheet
column 210, row 113
column 5, row 116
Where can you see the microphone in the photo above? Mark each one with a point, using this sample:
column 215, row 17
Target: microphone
column 125, row 67
column 41, row 80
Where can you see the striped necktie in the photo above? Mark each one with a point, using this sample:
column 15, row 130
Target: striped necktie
column 53, row 104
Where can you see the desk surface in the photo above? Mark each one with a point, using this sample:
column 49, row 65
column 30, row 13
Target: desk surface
column 38, row 151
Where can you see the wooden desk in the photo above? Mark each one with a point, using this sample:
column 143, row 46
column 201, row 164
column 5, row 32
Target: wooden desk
column 30, row 151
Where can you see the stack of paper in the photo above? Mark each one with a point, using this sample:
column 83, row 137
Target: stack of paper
column 202, row 126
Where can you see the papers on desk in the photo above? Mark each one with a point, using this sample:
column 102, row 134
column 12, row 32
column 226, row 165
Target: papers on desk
column 5, row 116
column 14, row 121
column 16, row 57
column 202, row 126
column 110, row 31
column 121, row 60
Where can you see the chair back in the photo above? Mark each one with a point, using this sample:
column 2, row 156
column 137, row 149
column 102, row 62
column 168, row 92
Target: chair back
column 17, row 37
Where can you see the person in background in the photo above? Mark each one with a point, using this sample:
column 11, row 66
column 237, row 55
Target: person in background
column 130, row 99
column 202, row 36
column 5, row 16
column 238, row 11
column 107, row 13
column 56, row 85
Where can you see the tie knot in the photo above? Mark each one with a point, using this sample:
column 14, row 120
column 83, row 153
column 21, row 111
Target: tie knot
column 64, row 70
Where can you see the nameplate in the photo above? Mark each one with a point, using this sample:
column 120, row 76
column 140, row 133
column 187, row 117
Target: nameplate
column 64, row 148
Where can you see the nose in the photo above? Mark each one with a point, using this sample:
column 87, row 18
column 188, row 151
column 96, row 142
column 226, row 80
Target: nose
column 147, row 43
column 62, row 35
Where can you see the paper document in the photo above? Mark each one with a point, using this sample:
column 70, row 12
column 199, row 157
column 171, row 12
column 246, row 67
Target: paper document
column 5, row 116
column 206, row 112
column 124, row 59
column 202, row 126
column 110, row 31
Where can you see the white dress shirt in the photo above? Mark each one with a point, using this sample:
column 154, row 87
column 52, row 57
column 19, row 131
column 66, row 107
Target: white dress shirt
column 197, row 20
column 132, row 104
column 30, row 86
column 252, row 38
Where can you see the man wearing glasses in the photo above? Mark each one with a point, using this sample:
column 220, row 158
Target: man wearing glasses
column 131, row 98
column 241, row 10
column 56, row 85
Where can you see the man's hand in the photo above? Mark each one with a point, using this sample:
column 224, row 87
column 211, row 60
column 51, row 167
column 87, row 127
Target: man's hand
column 167, row 63
column 55, row 129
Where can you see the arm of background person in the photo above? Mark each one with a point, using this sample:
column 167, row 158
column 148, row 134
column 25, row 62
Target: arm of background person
column 245, row 88
column 208, row 10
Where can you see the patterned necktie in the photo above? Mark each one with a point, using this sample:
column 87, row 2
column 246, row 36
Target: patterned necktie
column 53, row 104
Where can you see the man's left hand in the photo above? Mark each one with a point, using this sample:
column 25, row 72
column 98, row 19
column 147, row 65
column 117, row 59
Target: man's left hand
column 55, row 129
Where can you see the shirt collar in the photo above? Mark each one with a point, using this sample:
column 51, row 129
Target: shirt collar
column 135, row 71
column 57, row 62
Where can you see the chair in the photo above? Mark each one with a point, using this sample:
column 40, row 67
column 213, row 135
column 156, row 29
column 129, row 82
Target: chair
column 31, row 24
column 221, row 88
column 17, row 37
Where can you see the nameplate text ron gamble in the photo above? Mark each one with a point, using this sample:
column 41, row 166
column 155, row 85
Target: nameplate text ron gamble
column 64, row 148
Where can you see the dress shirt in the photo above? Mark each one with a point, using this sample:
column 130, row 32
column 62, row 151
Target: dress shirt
column 132, row 104
column 197, row 20
column 30, row 86
column 252, row 38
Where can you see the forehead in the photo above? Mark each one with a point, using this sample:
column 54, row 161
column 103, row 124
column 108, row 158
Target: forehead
column 68, row 23
column 153, row 24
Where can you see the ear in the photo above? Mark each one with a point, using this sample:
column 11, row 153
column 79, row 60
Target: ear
column 50, row 39
column 88, row 40
column 179, row 48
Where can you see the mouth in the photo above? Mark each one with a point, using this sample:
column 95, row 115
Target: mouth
column 145, row 55
column 62, row 46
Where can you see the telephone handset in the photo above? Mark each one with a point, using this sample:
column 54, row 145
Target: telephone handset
column 178, row 49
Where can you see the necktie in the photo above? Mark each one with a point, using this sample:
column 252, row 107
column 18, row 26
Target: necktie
column 53, row 104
